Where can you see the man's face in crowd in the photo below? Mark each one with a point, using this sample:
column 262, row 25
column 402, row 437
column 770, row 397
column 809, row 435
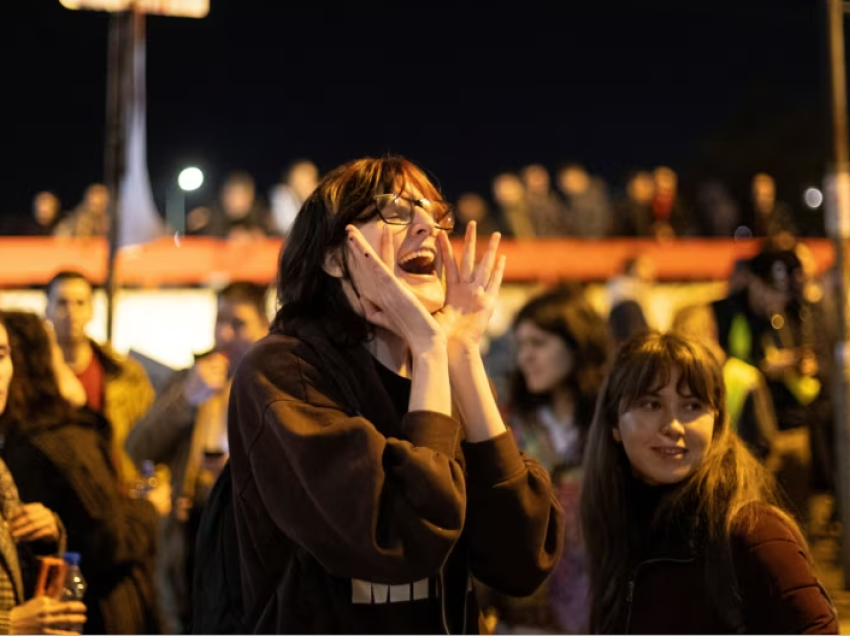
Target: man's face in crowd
column 238, row 325
column 70, row 309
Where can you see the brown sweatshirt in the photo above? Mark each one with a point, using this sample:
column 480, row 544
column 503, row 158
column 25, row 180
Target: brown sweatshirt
column 351, row 519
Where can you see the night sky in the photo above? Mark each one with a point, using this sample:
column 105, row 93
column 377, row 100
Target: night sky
column 712, row 88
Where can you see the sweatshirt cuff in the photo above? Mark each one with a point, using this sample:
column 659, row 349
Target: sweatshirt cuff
column 493, row 461
column 432, row 430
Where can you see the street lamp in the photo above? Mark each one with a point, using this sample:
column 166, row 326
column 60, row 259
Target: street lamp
column 813, row 198
column 189, row 180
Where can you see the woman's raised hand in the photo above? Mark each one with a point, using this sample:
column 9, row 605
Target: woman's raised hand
column 471, row 290
column 33, row 522
column 385, row 300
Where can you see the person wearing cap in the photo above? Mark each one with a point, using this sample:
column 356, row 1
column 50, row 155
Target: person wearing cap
column 770, row 325
column 186, row 428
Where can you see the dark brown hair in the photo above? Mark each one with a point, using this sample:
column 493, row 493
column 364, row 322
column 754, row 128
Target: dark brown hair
column 306, row 292
column 704, row 505
column 34, row 392
column 565, row 313
column 242, row 292
column 61, row 277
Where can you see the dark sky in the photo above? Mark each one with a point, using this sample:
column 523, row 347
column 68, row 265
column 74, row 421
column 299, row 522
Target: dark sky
column 467, row 91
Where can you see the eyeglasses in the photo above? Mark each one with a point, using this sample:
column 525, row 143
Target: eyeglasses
column 395, row 209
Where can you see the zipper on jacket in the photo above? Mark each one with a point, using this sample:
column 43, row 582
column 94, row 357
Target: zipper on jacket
column 630, row 591
column 443, row 603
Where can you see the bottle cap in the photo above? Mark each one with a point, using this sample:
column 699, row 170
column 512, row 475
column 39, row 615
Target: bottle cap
column 72, row 558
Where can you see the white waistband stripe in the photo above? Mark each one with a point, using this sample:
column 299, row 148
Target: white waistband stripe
column 368, row 593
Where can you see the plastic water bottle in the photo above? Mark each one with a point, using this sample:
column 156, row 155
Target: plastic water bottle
column 147, row 482
column 75, row 586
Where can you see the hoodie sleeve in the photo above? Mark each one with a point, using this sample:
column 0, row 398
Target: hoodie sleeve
column 514, row 521
column 364, row 505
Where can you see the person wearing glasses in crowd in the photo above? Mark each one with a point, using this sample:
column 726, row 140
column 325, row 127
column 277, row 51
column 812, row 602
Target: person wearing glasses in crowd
column 373, row 476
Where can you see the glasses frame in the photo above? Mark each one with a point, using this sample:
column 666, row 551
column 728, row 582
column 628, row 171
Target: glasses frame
column 383, row 200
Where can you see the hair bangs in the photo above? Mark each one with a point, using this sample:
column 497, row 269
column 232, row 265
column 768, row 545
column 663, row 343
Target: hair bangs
column 648, row 367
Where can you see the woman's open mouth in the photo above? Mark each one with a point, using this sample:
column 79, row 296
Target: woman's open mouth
column 419, row 263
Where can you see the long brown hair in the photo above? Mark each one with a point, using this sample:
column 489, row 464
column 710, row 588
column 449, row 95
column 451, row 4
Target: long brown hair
column 306, row 292
column 34, row 391
column 704, row 505
column 566, row 313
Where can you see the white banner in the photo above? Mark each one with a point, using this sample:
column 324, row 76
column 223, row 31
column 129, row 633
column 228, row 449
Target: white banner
column 177, row 8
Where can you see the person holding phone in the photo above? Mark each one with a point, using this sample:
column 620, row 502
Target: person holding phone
column 31, row 525
column 63, row 457
column 373, row 476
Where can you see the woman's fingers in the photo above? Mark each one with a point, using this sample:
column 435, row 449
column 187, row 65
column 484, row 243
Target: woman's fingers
column 59, row 619
column 448, row 256
column 387, row 249
column 33, row 521
column 496, row 279
column 71, row 607
column 365, row 255
column 485, row 267
column 467, row 264
column 24, row 534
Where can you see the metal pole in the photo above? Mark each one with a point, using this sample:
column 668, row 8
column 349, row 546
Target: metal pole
column 126, row 31
column 113, row 159
column 840, row 229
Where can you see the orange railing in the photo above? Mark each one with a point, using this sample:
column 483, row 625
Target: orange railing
column 192, row 261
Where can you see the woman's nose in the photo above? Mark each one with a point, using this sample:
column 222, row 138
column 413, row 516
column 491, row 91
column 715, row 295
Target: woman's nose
column 423, row 222
column 673, row 427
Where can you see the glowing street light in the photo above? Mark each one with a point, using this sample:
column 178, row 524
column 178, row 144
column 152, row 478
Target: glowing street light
column 190, row 179
column 813, row 198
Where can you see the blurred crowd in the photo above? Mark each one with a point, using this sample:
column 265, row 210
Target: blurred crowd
column 527, row 204
column 81, row 422
column 773, row 333
column 121, row 470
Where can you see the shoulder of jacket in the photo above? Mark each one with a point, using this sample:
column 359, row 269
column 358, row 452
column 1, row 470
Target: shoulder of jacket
column 277, row 363
column 759, row 523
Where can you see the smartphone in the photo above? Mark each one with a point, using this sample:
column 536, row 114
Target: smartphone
column 51, row 577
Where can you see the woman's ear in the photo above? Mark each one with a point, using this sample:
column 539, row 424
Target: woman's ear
column 333, row 264
column 615, row 432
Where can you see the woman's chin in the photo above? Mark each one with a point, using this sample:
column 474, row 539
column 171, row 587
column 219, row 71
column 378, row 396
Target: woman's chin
column 433, row 298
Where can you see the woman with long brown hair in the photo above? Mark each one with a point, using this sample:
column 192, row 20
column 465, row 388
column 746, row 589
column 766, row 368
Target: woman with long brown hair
column 562, row 354
column 357, row 508
column 27, row 531
column 61, row 455
column 683, row 527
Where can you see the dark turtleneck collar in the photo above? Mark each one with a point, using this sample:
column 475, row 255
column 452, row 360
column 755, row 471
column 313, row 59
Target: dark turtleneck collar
column 665, row 540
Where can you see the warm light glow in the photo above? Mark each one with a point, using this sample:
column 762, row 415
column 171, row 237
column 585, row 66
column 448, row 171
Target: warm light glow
column 190, row 179
column 813, row 198
column 182, row 8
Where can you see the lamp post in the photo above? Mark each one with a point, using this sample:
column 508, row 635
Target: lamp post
column 189, row 180
column 838, row 227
